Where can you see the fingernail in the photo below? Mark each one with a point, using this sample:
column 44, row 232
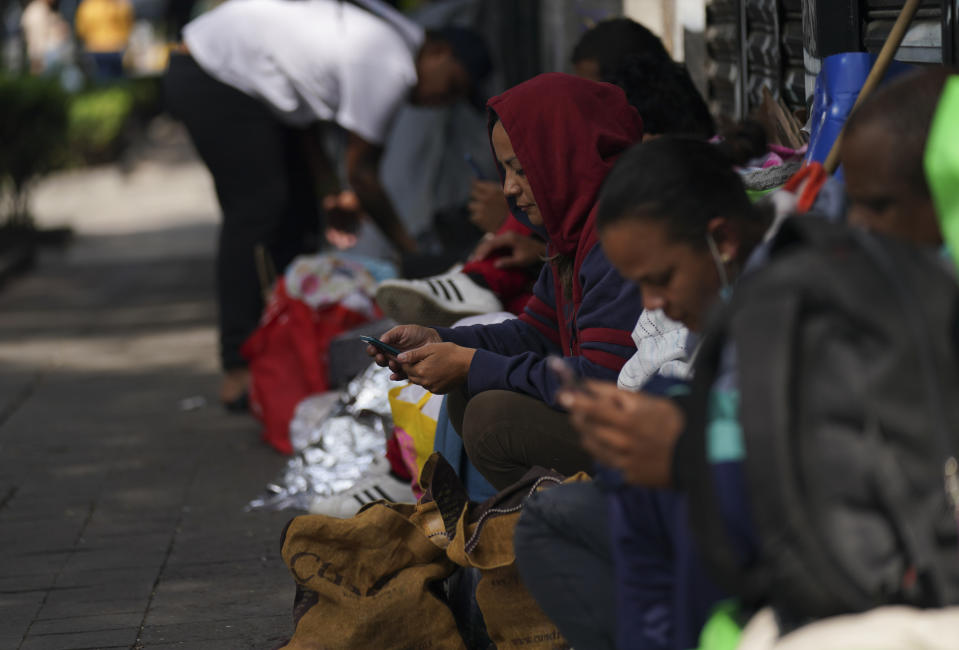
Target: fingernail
column 401, row 357
column 566, row 399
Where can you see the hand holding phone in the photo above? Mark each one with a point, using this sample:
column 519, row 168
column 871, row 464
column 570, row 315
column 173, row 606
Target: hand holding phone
column 402, row 339
column 385, row 348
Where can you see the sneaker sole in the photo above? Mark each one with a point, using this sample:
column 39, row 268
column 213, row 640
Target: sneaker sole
column 408, row 306
column 348, row 504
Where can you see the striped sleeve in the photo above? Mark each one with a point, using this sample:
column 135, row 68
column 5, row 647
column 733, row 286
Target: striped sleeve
column 534, row 331
column 607, row 314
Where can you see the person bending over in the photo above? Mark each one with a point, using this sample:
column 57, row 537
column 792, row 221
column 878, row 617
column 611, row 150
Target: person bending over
column 253, row 83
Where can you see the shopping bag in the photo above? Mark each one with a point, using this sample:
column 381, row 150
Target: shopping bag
column 415, row 413
column 287, row 356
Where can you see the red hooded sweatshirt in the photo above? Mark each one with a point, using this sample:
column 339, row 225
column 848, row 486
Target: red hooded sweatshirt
column 567, row 133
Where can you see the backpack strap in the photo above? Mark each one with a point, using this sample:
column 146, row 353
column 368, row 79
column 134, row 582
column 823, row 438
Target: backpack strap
column 764, row 394
column 695, row 471
column 705, row 516
column 443, row 486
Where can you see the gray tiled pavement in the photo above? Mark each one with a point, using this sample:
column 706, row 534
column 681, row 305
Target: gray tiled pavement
column 121, row 515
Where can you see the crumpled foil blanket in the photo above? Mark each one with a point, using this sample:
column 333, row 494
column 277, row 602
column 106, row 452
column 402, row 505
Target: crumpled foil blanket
column 335, row 440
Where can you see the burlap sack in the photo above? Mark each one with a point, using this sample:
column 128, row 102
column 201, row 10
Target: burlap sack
column 484, row 539
column 365, row 582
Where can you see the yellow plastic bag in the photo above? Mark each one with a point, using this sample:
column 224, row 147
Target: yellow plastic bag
column 415, row 411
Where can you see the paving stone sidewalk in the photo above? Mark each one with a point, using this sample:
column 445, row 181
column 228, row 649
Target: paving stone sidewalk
column 121, row 493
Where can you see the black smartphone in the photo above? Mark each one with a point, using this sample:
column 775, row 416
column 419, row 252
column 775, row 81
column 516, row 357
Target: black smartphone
column 385, row 348
column 468, row 157
column 570, row 379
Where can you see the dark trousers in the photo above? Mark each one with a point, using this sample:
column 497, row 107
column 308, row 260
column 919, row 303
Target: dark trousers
column 506, row 433
column 107, row 66
column 563, row 554
column 263, row 183
column 664, row 591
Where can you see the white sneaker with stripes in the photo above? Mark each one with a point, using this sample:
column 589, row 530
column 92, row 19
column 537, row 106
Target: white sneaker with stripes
column 373, row 487
column 440, row 300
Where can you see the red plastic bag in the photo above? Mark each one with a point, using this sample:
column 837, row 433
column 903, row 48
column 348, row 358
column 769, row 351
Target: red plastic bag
column 288, row 357
column 397, row 453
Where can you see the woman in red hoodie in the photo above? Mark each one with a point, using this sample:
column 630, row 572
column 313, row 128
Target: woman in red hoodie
column 554, row 137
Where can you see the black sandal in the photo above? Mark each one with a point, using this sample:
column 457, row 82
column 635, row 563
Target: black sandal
column 239, row 405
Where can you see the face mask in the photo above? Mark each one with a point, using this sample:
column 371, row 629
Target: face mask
column 726, row 290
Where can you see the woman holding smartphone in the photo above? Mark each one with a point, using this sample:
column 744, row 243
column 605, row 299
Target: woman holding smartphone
column 554, row 137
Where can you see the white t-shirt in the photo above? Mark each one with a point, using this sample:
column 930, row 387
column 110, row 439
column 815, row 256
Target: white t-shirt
column 311, row 59
column 44, row 30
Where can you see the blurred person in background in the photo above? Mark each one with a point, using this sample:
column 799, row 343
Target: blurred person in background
column 601, row 51
column 254, row 80
column 883, row 146
column 46, row 33
column 104, row 26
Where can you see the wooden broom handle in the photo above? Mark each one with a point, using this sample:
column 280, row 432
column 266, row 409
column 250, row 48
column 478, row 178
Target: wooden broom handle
column 877, row 73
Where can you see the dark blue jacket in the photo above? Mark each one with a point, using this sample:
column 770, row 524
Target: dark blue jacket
column 664, row 593
column 511, row 355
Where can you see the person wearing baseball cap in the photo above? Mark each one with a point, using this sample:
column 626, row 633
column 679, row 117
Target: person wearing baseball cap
column 252, row 82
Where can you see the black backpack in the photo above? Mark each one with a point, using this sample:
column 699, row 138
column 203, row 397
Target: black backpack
column 847, row 352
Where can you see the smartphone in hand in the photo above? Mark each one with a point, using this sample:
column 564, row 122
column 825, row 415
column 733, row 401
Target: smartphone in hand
column 385, row 348
column 568, row 377
column 468, row 157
